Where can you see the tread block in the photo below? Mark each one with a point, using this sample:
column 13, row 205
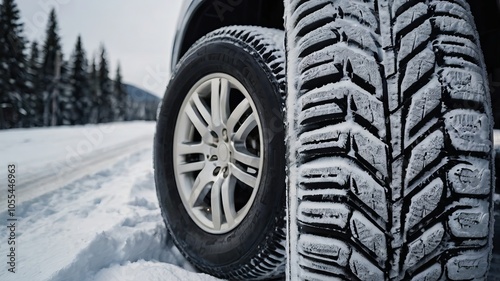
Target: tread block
column 423, row 154
column 451, row 9
column 432, row 273
column 345, row 137
column 470, row 222
column 364, row 269
column 468, row 130
column 360, row 13
column 336, row 214
column 419, row 66
column 306, row 8
column 369, row 108
column 470, row 178
column 456, row 52
column 463, row 85
column 468, row 266
column 424, row 202
column 322, row 247
column 409, row 17
column 370, row 193
column 372, row 150
column 317, row 39
column 423, row 103
column 369, row 235
column 335, row 137
column 361, row 36
column 332, row 92
column 342, row 173
column 424, row 245
column 322, row 112
column 413, row 40
column 454, row 26
column 316, row 19
column 347, row 63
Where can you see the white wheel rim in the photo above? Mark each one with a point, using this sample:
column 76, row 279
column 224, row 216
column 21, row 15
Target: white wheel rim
column 218, row 153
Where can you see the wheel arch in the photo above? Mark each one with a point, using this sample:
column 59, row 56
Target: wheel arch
column 199, row 17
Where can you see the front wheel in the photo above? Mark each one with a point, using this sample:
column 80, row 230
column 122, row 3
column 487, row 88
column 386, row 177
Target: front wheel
column 219, row 154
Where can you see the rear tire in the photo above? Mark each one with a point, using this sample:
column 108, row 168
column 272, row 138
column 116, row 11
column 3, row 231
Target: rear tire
column 390, row 140
column 219, row 154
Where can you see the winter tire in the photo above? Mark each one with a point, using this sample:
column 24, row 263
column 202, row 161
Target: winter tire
column 390, row 141
column 220, row 154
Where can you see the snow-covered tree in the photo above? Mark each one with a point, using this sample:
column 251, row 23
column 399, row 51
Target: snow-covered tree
column 80, row 86
column 50, row 72
column 107, row 99
column 95, row 93
column 35, row 98
column 13, row 87
column 121, row 96
column 66, row 100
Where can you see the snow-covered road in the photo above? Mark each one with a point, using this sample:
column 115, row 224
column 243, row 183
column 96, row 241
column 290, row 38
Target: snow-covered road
column 86, row 207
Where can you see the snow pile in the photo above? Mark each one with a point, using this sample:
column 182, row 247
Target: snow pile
column 102, row 224
column 144, row 270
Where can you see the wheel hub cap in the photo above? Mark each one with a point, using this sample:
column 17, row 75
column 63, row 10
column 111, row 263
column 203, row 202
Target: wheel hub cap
column 218, row 153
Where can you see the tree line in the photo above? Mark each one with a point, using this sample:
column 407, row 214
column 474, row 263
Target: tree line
column 39, row 88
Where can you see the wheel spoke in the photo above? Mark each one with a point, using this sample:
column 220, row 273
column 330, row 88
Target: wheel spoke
column 228, row 200
column 190, row 148
column 216, row 204
column 225, row 89
column 245, row 128
column 246, row 158
column 237, row 114
column 191, row 167
column 219, row 101
column 197, row 121
column 215, row 102
column 202, row 108
column 243, row 176
column 200, row 187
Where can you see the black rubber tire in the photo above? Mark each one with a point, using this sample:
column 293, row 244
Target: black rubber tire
column 255, row 249
column 390, row 140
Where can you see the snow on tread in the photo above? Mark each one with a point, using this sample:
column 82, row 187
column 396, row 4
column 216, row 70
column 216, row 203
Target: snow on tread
column 390, row 119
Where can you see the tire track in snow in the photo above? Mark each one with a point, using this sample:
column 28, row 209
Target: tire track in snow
column 105, row 219
column 38, row 183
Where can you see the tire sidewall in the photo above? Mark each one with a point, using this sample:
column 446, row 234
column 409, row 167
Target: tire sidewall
column 223, row 55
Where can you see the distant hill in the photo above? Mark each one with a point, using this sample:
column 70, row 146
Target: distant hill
column 139, row 95
column 142, row 105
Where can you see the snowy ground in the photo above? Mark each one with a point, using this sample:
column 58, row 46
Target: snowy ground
column 86, row 207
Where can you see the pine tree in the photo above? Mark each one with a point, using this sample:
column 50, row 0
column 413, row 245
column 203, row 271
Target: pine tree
column 80, row 86
column 95, row 94
column 12, row 67
column 66, row 101
column 121, row 96
column 35, row 99
column 50, row 72
column 107, row 100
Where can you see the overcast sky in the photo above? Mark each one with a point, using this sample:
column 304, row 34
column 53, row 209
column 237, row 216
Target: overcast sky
column 137, row 33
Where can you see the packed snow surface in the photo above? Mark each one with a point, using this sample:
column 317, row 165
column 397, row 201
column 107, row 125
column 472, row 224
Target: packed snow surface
column 86, row 206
